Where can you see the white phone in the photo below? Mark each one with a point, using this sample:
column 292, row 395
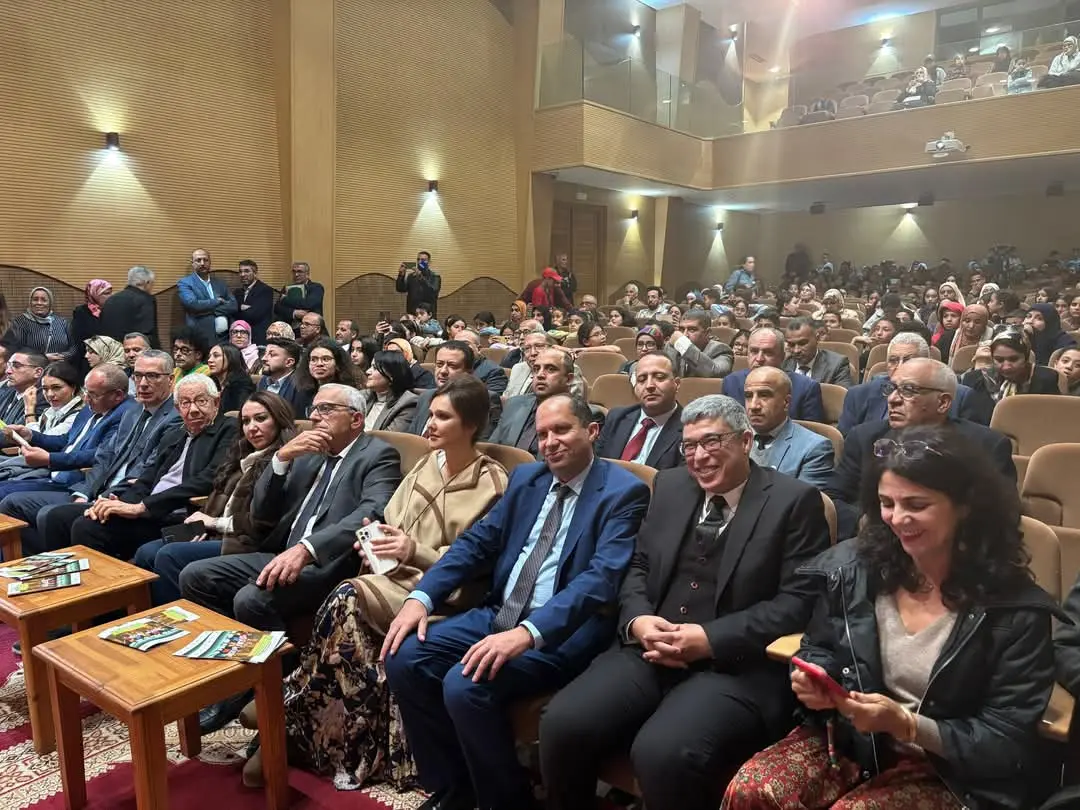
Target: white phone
column 365, row 534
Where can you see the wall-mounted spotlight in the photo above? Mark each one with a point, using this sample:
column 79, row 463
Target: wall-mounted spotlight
column 636, row 31
column 886, row 41
column 719, row 226
column 634, row 214
column 112, row 141
column 432, row 186
column 733, row 28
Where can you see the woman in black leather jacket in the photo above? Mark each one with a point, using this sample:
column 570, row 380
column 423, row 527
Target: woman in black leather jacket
column 931, row 620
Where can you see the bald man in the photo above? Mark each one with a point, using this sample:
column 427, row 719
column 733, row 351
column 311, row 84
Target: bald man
column 780, row 443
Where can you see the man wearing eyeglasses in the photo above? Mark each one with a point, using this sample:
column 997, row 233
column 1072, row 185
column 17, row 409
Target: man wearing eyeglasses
column 22, row 373
column 688, row 690
column 920, row 392
column 118, row 463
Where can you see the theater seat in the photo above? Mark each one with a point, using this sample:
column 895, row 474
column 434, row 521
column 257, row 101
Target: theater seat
column 509, row 457
column 1050, row 495
column 951, row 96
column 847, row 349
column 614, row 333
column 842, row 335
column 626, row 345
column 612, row 391
column 885, row 96
column 881, row 107
column 411, row 448
column 1032, row 421
column 642, row 471
column 818, row 117
column 954, row 84
column 494, row 355
column 986, row 91
column 722, row 333
column 991, row 79
column 596, row 364
column 850, row 112
column 693, row 387
column 829, row 432
column 861, row 101
column 791, row 116
column 832, row 402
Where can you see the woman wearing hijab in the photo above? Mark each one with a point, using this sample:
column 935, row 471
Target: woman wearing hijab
column 949, row 291
column 86, row 319
column 421, row 377
column 1043, row 324
column 101, row 349
column 1065, row 69
column 41, row 330
column 1011, row 371
column 974, row 329
column 240, row 337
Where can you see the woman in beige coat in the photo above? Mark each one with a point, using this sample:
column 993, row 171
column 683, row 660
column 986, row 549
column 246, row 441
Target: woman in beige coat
column 340, row 720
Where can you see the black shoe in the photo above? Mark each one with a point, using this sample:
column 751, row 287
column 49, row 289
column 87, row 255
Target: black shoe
column 212, row 718
column 454, row 798
column 59, row 632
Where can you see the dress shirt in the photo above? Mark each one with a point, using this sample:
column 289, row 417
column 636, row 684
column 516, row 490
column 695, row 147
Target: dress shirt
column 282, row 467
column 175, row 474
column 760, row 455
column 652, row 435
column 91, row 423
column 808, row 366
column 545, row 580
column 274, row 386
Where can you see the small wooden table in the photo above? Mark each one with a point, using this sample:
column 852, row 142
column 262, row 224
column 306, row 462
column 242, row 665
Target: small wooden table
column 11, row 537
column 108, row 586
column 149, row 689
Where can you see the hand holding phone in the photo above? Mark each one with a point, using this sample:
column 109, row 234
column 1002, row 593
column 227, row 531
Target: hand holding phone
column 820, row 678
column 364, row 536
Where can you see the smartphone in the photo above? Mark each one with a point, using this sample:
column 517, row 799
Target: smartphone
column 364, row 535
column 182, row 532
column 820, row 677
column 409, row 265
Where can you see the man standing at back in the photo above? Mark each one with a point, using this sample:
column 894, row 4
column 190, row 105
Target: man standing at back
column 696, row 354
column 206, row 300
column 133, row 309
column 650, row 432
column 742, row 276
column 805, row 358
column 420, row 283
column 300, row 297
column 556, row 546
column 254, row 300
column 766, row 348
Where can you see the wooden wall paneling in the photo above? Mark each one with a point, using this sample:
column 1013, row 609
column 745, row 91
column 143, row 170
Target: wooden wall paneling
column 587, row 246
column 562, row 230
column 364, row 297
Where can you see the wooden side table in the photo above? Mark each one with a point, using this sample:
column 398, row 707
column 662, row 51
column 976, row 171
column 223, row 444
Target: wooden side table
column 149, row 689
column 11, row 537
column 108, row 586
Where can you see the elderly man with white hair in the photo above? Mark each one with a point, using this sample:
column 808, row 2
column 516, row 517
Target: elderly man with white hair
column 133, row 309
column 185, row 467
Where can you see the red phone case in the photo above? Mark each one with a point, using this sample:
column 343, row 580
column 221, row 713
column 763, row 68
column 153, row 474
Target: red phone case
column 820, row 677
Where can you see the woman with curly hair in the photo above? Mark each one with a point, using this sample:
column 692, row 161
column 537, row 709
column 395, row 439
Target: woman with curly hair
column 939, row 639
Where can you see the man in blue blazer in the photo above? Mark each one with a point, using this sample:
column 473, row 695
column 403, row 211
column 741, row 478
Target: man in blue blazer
column 65, row 454
column 766, row 348
column 867, row 402
column 556, row 545
column 207, row 301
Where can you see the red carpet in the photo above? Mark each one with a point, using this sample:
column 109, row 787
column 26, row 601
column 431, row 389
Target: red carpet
column 30, row 782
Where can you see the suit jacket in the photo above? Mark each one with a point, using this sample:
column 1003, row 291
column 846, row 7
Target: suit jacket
column 397, row 415
column 828, row 367
column 778, row 526
column 622, row 423
column 490, row 375
column 130, row 310
column 423, row 413
column 312, row 302
column 69, row 463
column 843, row 486
column 204, row 456
column 1043, row 381
column 260, row 308
column 200, row 308
column 142, row 455
column 515, row 414
column 297, row 397
column 866, row 403
column 716, row 360
column 805, row 395
column 802, row 454
column 594, row 556
column 361, row 489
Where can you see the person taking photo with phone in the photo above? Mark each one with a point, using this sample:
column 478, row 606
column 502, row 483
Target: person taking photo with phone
column 420, row 284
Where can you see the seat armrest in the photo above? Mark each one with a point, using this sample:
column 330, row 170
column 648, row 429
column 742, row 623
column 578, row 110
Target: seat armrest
column 199, row 501
column 784, row 647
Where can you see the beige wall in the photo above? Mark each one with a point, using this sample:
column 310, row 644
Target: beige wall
column 763, row 102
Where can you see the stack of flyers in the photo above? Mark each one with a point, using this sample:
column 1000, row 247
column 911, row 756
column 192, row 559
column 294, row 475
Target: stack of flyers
column 233, row 645
column 150, row 631
column 50, row 583
column 48, row 570
column 29, row 565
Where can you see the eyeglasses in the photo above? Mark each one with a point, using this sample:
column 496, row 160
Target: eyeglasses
column 327, row 408
column 202, row 402
column 710, row 443
column 914, row 449
column 149, row 376
column 907, row 391
column 182, row 350
column 320, row 361
column 15, row 364
column 238, row 332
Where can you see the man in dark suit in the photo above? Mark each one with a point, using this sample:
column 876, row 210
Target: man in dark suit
column 22, row 373
column 185, row 467
column 556, row 545
column 206, row 300
column 921, row 392
column 280, row 359
column 804, row 357
column 484, row 370
column 122, row 461
column 867, row 402
column 766, row 348
column 688, row 689
column 254, row 301
column 553, row 374
column 133, row 309
column 453, row 359
column 694, row 353
column 650, row 432
column 291, row 308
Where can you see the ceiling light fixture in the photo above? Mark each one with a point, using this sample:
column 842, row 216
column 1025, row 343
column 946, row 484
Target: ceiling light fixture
column 909, row 206
column 973, row 49
column 992, row 29
column 733, row 28
column 719, row 226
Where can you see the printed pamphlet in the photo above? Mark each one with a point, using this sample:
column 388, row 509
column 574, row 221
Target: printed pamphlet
column 149, row 631
column 44, row 584
column 233, row 645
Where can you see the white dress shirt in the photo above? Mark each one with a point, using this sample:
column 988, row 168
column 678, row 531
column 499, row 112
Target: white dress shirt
column 652, row 435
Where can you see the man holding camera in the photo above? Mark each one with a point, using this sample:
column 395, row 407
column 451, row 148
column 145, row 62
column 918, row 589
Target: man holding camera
column 420, row 283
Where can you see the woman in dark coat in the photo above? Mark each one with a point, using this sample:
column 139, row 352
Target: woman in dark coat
column 86, row 319
column 1011, row 371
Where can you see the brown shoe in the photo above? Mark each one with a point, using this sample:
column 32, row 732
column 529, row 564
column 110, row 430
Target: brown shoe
column 248, row 718
column 252, row 775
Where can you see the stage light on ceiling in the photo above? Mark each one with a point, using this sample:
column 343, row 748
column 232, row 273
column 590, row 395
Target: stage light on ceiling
column 992, row 29
column 733, row 28
column 909, row 206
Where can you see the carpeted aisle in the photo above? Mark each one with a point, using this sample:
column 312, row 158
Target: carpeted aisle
column 30, row 781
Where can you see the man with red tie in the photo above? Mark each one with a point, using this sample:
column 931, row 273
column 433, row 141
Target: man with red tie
column 650, row 432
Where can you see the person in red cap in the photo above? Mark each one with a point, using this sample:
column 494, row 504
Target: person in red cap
column 546, row 291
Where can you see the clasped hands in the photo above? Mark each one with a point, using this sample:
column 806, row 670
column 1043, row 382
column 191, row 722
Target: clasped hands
column 104, row 508
column 870, row 713
column 670, row 645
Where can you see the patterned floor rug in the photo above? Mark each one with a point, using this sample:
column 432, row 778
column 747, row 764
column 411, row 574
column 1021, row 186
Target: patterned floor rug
column 32, row 782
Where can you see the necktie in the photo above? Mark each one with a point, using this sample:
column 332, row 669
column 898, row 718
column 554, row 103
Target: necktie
column 528, row 433
column 762, row 440
column 514, row 606
column 717, row 517
column 637, row 441
column 123, row 459
column 314, row 502
column 804, row 370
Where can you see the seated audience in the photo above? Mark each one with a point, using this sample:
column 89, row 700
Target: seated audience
column 346, row 332
column 927, row 313
column 1068, row 363
column 61, row 386
column 312, row 327
column 882, row 332
column 228, row 527
column 532, row 343
column 649, row 432
column 766, row 318
column 650, row 338
column 360, row 353
column 189, row 351
column 318, row 489
column 920, row 91
column 86, row 318
column 184, row 468
column 974, row 329
column 806, row 358
column 941, row 638
column 553, row 373
column 591, row 337
column 654, row 304
column 453, row 359
column 419, row 376
column 1044, row 325
column 99, row 349
column 766, row 348
column 39, row 330
column 487, row 372
column 621, row 316
column 337, row 710
column 228, row 370
column 555, row 546
column 22, row 373
column 688, row 689
column 779, row 442
column 948, row 322
column 957, row 69
column 1011, row 371
column 1002, row 60
column 133, row 309
column 1065, row 69
column 694, row 353
column 484, row 324
column 1000, row 304
column 135, row 343
column 389, row 402
column 280, row 361
column 1020, row 79
column 935, row 72
column 323, row 362
column 240, row 337
column 868, row 402
column 920, row 393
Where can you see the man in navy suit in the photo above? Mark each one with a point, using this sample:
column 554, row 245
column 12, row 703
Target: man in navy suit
column 779, row 442
column 648, row 433
column 766, row 348
column 867, row 402
column 254, row 301
column 207, row 301
column 280, row 359
column 557, row 545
